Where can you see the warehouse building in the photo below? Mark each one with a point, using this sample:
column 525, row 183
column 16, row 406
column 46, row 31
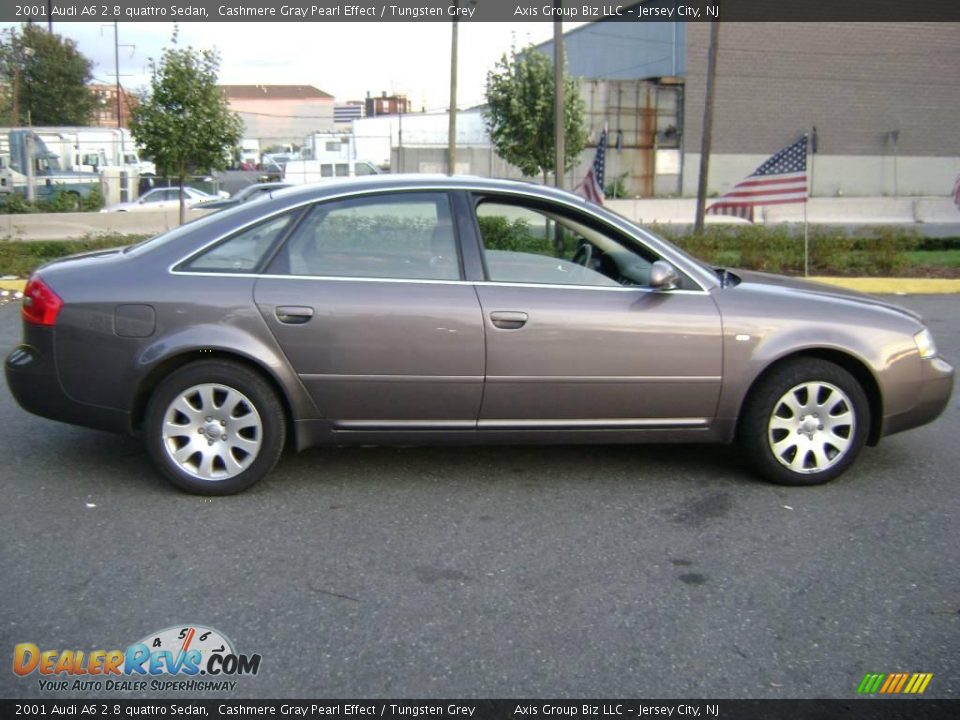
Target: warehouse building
column 884, row 98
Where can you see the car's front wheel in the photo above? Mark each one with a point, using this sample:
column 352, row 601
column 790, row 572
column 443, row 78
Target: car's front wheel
column 214, row 427
column 805, row 422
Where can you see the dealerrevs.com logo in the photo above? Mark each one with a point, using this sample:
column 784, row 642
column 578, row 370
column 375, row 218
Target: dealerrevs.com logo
column 181, row 658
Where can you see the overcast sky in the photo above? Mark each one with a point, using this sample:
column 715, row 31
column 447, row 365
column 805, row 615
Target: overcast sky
column 343, row 59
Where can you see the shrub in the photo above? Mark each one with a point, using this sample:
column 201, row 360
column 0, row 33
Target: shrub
column 499, row 233
column 62, row 201
column 888, row 248
column 779, row 249
column 16, row 204
column 94, row 201
column 616, row 188
column 23, row 257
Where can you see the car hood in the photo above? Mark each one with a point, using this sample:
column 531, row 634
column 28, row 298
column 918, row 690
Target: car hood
column 808, row 287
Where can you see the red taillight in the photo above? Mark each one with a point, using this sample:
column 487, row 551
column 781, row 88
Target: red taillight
column 40, row 303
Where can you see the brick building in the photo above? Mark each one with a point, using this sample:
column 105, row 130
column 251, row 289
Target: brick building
column 277, row 114
column 105, row 113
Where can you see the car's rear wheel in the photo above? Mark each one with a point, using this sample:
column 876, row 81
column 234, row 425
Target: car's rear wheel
column 805, row 422
column 214, row 428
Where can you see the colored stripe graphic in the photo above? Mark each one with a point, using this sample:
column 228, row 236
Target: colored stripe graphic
column 870, row 683
column 894, row 684
column 918, row 683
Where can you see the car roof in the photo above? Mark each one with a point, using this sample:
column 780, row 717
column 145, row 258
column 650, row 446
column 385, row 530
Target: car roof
column 337, row 186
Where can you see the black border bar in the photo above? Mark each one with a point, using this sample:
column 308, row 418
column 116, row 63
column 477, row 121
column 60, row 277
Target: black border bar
column 42, row 11
column 859, row 709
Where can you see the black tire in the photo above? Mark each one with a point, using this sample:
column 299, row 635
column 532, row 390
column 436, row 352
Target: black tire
column 249, row 415
column 804, row 423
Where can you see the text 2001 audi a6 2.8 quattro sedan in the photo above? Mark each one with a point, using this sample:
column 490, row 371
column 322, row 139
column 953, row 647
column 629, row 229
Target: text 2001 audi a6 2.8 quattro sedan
column 428, row 310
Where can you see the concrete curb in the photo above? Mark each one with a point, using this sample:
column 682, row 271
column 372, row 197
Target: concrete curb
column 894, row 286
column 875, row 286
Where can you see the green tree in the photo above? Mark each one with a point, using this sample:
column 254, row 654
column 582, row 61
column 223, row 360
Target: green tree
column 520, row 113
column 184, row 123
column 47, row 78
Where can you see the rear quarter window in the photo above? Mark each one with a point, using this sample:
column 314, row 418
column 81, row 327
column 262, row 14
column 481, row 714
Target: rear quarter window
column 242, row 252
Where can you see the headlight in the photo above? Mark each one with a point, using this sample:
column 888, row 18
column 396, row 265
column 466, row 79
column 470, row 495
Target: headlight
column 925, row 344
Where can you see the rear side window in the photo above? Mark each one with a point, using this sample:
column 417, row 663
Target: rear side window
column 242, row 252
column 397, row 235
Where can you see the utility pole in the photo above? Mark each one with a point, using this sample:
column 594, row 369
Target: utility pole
column 28, row 148
column 452, row 124
column 399, row 136
column 558, row 136
column 116, row 66
column 16, row 88
column 707, row 138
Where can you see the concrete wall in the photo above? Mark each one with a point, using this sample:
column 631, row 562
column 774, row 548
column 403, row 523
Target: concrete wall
column 279, row 121
column 923, row 213
column 919, row 212
column 62, row 226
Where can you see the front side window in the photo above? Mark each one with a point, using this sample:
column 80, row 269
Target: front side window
column 242, row 252
column 399, row 235
column 533, row 244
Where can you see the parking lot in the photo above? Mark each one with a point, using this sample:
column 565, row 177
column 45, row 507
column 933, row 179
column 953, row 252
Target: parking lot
column 653, row 571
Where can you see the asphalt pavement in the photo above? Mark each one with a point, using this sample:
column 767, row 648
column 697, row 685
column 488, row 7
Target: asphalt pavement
column 652, row 571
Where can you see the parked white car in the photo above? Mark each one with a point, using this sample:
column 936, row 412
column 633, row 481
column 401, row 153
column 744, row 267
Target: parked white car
column 164, row 199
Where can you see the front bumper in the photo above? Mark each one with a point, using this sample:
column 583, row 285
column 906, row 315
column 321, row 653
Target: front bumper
column 32, row 378
column 933, row 393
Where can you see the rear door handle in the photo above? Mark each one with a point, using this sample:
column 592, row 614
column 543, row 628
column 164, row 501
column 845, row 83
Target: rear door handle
column 509, row 319
column 294, row 314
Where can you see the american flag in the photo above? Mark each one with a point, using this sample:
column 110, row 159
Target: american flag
column 592, row 186
column 956, row 192
column 780, row 180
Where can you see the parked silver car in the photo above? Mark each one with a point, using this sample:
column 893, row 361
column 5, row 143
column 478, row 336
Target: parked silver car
column 426, row 309
column 164, row 199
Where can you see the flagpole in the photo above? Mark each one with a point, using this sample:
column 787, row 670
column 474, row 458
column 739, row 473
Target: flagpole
column 806, row 233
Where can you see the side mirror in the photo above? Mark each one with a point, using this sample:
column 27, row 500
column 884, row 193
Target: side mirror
column 664, row 276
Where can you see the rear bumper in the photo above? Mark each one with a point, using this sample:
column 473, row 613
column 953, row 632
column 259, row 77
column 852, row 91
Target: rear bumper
column 32, row 379
column 933, row 394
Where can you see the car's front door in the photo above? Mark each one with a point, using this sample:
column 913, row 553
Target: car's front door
column 367, row 300
column 576, row 338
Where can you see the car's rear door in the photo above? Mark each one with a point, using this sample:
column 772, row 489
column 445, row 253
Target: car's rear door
column 366, row 298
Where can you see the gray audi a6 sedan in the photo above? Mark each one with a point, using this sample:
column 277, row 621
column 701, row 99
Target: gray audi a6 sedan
column 425, row 309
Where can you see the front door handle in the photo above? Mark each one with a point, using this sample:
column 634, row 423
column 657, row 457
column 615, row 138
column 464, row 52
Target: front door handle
column 509, row 319
column 294, row 314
